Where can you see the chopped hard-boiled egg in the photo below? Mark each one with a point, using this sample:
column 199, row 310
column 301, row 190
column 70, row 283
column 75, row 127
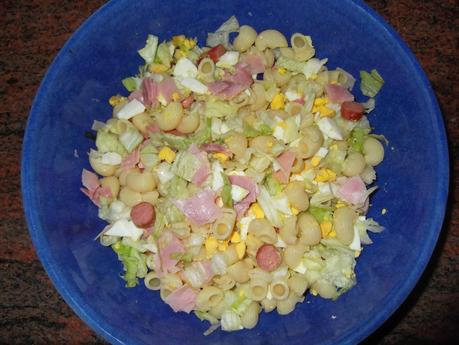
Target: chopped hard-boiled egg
column 157, row 68
column 235, row 238
column 220, row 156
column 256, row 210
column 326, row 111
column 240, row 249
column 238, row 193
column 329, row 128
column 292, row 95
column 222, row 245
column 194, row 85
column 211, row 245
column 278, row 102
column 355, row 244
column 111, row 158
column 227, row 60
column 130, row 109
column 166, row 154
column 185, row 68
column 325, row 228
column 125, row 228
column 325, row 175
column 244, row 225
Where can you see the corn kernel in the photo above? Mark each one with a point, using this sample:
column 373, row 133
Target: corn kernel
column 257, row 211
column 167, row 154
column 314, row 109
column 294, row 210
column 326, row 111
column 278, row 102
column 320, row 101
column 115, row 100
column 211, row 246
column 326, row 228
column 175, row 96
column 332, row 234
column 240, row 250
column 282, row 70
column 315, row 161
column 157, row 68
column 222, row 245
column 221, row 157
column 313, row 292
column 236, row 237
column 325, row 175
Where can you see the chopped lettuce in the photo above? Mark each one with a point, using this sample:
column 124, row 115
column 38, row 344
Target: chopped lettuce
column 251, row 132
column 134, row 263
column 108, row 142
column 163, row 55
column 131, row 83
column 321, row 213
column 226, row 192
column 149, row 156
column 290, row 64
column 131, row 138
column 148, row 52
column 206, row 316
column 231, row 321
column 170, row 213
column 218, row 108
column 186, row 165
column 371, row 82
column 273, row 186
column 363, row 225
column 269, row 207
column 357, row 138
column 175, row 188
column 221, row 35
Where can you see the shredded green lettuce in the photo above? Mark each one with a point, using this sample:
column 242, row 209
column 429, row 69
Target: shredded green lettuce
column 148, row 52
column 321, row 213
column 272, row 185
column 176, row 188
column 149, row 156
column 186, row 165
column 357, row 138
column 131, row 138
column 134, row 263
column 221, row 35
column 130, row 83
column 226, row 192
column 206, row 316
column 371, row 82
column 163, row 55
column 218, row 108
column 108, row 142
column 250, row 132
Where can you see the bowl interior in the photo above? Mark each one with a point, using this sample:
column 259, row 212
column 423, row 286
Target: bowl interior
column 88, row 71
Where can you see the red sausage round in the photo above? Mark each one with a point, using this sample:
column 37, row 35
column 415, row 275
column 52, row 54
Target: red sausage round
column 352, row 111
column 143, row 215
column 268, row 257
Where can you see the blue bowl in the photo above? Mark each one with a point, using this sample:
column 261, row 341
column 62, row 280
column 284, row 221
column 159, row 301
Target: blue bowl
column 413, row 178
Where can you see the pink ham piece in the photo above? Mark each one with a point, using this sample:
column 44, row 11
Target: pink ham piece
column 137, row 94
column 248, row 184
column 215, row 148
column 182, row 299
column 204, row 166
column 201, row 208
column 232, row 84
column 153, row 128
column 338, row 94
column 285, row 160
column 254, row 63
column 92, row 189
column 154, row 91
column 352, row 190
column 168, row 245
column 131, row 160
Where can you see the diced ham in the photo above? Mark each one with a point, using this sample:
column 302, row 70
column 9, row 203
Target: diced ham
column 137, row 94
column 201, row 208
column 186, row 102
column 232, row 84
column 153, row 128
column 352, row 190
column 131, row 160
column 150, row 92
column 285, row 161
column 338, row 94
column 89, row 180
column 182, row 299
column 92, row 189
column 248, row 184
column 166, row 89
column 211, row 148
column 254, row 63
column 204, row 166
column 154, row 91
column 168, row 245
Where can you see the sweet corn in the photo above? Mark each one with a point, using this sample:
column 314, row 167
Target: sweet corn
column 320, row 101
column 326, row 111
column 278, row 102
column 325, row 175
column 257, row 211
column 282, row 70
column 211, row 245
column 167, row 154
column 315, row 161
column 240, row 249
column 157, row 68
column 115, row 100
column 221, row 157
column 222, row 245
column 326, row 228
column 236, row 237
column 294, row 211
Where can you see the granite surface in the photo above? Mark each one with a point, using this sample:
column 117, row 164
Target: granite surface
column 32, row 312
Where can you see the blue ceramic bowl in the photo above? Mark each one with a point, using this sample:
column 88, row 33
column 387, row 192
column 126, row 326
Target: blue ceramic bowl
column 413, row 178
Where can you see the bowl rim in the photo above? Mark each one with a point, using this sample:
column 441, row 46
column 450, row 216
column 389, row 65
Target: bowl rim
column 113, row 335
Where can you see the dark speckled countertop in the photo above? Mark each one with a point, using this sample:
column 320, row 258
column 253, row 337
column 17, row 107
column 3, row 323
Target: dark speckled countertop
column 32, row 312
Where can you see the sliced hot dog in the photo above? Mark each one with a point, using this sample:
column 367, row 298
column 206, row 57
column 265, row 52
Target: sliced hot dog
column 143, row 215
column 352, row 111
column 268, row 257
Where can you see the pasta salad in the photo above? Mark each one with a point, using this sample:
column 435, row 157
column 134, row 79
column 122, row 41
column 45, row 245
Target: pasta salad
column 236, row 177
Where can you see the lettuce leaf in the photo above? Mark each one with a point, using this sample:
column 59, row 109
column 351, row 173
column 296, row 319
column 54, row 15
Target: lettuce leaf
column 108, row 142
column 357, row 138
column 148, row 52
column 130, row 139
column 134, row 263
column 321, row 213
column 163, row 55
column 218, row 108
column 272, row 185
column 130, row 83
column 226, row 192
column 371, row 83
